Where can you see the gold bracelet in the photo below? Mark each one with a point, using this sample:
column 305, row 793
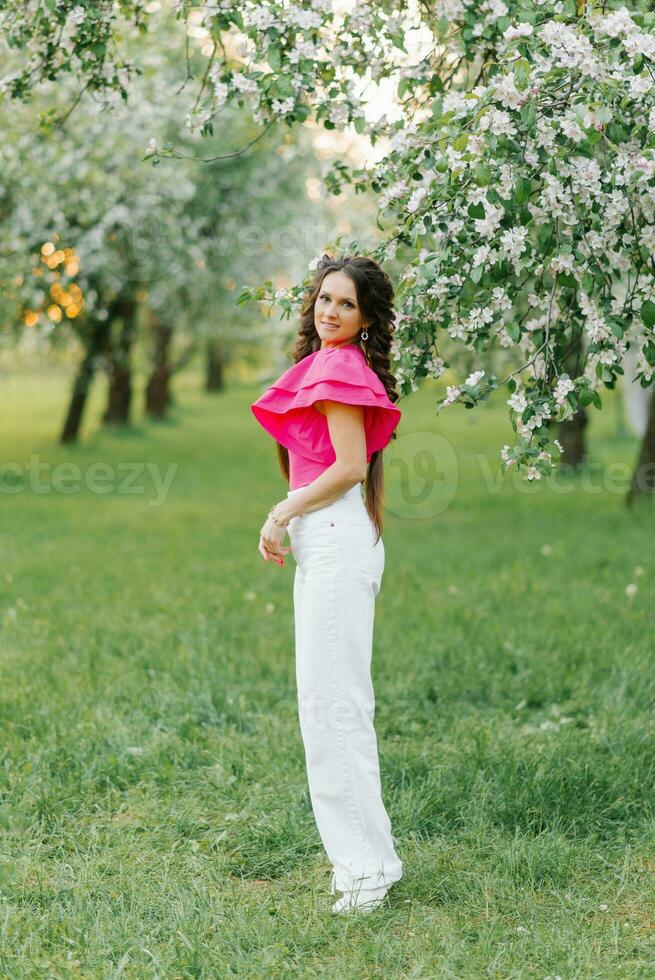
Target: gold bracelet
column 275, row 520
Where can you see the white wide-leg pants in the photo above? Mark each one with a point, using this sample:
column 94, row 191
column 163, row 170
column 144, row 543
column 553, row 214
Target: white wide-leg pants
column 337, row 577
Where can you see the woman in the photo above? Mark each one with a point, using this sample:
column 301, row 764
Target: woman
column 332, row 414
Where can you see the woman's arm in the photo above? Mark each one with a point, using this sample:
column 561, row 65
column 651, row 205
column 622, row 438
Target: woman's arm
column 346, row 428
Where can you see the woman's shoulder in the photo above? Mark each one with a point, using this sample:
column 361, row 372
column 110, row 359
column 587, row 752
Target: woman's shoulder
column 331, row 370
column 346, row 361
column 337, row 363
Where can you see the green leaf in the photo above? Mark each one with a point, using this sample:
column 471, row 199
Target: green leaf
column 500, row 271
column 649, row 353
column 482, row 175
column 476, row 210
column 648, row 313
column 274, row 58
column 617, row 326
column 528, row 115
column 468, row 293
column 514, row 330
column 522, row 190
column 603, row 372
column 522, row 73
column 617, row 133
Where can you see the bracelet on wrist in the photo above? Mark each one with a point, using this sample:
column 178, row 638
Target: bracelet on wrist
column 276, row 521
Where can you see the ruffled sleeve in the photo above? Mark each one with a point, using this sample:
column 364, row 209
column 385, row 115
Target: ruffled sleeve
column 286, row 409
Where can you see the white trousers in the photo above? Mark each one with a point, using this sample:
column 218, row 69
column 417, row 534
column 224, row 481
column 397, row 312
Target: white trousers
column 337, row 577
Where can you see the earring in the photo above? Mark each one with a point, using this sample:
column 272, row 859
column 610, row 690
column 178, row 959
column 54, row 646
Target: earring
column 364, row 335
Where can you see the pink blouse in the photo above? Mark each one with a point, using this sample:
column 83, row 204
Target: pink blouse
column 286, row 409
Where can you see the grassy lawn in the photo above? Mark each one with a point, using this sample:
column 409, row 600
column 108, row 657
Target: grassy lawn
column 154, row 814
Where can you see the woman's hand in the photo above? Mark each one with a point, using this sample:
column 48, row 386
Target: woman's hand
column 271, row 537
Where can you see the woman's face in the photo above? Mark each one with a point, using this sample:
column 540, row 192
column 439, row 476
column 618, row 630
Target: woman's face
column 337, row 317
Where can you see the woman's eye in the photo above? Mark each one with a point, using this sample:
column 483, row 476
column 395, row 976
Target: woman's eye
column 347, row 301
column 324, row 297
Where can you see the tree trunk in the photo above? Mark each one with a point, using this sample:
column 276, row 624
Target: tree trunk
column 636, row 400
column 215, row 367
column 157, row 389
column 572, row 437
column 572, row 431
column 119, row 370
column 99, row 331
column 643, row 478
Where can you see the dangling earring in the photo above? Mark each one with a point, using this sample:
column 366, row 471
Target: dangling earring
column 364, row 335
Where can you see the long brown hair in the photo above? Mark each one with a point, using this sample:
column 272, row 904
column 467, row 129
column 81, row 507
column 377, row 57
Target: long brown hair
column 375, row 298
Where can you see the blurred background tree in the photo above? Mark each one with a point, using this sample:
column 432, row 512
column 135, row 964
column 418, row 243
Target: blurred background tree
column 127, row 267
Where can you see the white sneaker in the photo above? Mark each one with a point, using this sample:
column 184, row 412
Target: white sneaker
column 360, row 899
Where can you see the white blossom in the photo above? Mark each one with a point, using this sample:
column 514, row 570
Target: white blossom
column 506, row 92
column 452, row 394
column 512, row 241
column 497, row 121
column 563, row 387
column 518, row 402
column 487, row 226
column 480, row 256
column 338, row 113
column 505, row 456
column 562, row 263
column 500, row 299
column 415, row 199
column 515, row 31
column 243, row 84
column 75, row 17
column 570, row 48
column 281, row 108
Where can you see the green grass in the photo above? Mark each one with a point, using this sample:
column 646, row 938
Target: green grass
column 154, row 814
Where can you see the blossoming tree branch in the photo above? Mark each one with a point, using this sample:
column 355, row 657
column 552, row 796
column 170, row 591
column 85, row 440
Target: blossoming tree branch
column 518, row 192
